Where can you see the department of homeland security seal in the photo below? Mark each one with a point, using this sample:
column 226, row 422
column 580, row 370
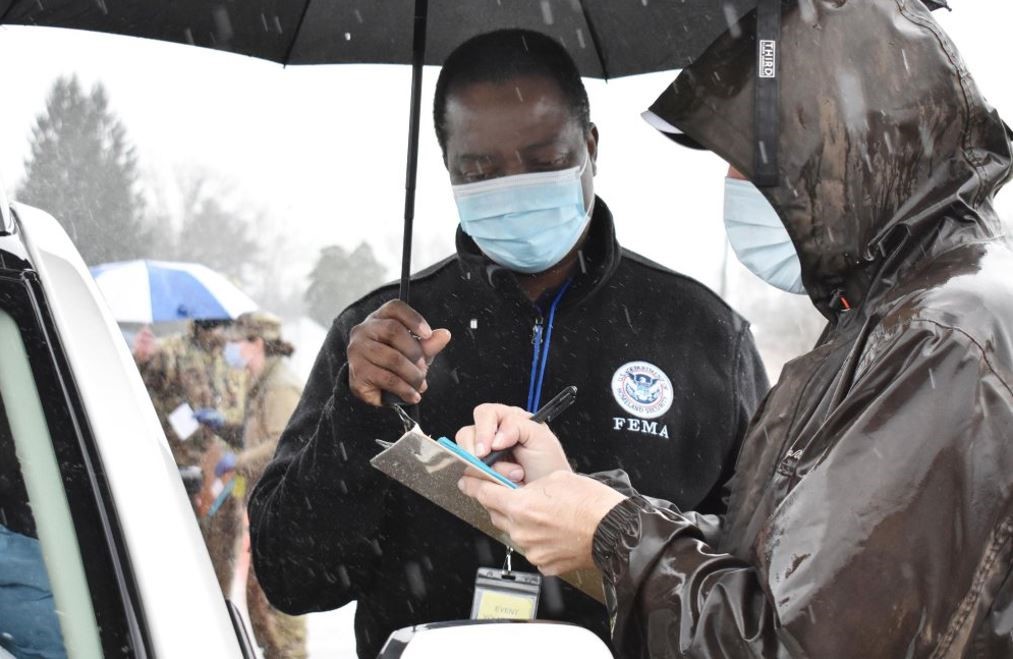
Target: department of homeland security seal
column 642, row 389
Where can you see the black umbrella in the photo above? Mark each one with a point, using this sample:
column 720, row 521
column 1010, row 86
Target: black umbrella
column 606, row 38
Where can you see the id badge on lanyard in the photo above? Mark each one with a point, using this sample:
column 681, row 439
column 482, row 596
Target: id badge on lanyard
column 505, row 594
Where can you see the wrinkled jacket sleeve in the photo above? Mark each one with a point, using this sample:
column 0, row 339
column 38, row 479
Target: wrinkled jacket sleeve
column 316, row 513
column 893, row 544
column 709, row 526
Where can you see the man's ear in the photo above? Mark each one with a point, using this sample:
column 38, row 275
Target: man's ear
column 592, row 147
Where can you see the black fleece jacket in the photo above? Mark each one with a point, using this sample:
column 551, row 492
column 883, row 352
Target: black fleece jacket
column 668, row 378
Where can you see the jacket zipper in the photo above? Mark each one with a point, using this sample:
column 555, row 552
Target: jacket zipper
column 536, row 331
column 542, row 338
column 536, row 343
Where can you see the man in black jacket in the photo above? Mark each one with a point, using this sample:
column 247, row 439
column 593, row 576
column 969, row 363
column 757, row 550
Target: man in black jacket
column 539, row 296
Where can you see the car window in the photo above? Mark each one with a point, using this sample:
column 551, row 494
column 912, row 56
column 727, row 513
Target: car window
column 45, row 603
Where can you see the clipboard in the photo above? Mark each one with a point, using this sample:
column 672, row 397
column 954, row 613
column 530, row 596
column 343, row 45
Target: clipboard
column 432, row 468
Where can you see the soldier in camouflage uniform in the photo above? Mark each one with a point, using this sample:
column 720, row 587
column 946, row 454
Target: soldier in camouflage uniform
column 190, row 368
column 274, row 393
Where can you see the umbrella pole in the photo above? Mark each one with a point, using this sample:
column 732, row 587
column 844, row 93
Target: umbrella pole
column 418, row 59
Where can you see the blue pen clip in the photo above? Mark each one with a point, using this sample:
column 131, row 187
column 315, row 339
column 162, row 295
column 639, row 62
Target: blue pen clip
column 476, row 463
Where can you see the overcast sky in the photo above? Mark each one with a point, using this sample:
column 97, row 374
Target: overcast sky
column 323, row 148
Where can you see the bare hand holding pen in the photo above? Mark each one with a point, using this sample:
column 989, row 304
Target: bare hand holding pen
column 553, row 518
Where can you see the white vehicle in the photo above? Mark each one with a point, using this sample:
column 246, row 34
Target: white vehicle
column 93, row 476
column 85, row 466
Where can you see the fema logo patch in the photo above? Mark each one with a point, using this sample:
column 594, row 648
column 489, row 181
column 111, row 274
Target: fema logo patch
column 642, row 389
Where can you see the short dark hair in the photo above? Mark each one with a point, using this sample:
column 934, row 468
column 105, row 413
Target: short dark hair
column 504, row 54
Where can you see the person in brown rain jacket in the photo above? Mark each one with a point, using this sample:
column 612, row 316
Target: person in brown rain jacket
column 273, row 396
column 871, row 511
column 190, row 368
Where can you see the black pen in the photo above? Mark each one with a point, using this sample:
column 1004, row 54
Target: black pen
column 547, row 413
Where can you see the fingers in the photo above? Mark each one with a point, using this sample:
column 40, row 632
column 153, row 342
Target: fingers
column 492, row 496
column 435, row 344
column 408, row 317
column 392, row 333
column 368, row 382
column 366, row 393
column 511, row 470
column 513, row 426
column 391, row 360
column 509, row 432
column 472, row 472
column 468, row 437
column 390, row 352
column 498, row 427
column 465, row 438
column 510, row 512
column 488, row 421
column 469, row 485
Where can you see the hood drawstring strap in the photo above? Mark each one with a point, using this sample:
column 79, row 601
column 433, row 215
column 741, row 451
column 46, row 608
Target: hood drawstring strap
column 766, row 113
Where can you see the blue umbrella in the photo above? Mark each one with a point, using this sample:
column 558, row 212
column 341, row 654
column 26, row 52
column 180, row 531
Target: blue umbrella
column 160, row 291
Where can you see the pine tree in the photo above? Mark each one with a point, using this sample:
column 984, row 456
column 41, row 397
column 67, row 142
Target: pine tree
column 215, row 231
column 340, row 278
column 83, row 171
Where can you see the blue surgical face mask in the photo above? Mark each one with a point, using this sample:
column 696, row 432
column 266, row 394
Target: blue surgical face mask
column 526, row 222
column 234, row 356
column 759, row 238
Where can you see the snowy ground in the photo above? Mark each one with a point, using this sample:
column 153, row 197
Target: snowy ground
column 331, row 634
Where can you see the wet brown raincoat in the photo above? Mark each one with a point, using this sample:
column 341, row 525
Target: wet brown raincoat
column 871, row 513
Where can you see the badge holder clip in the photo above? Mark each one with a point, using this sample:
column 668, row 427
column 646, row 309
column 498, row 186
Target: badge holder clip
column 505, row 594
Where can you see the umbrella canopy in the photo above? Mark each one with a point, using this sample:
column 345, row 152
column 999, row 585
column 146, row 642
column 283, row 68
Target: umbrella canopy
column 158, row 292
column 607, row 38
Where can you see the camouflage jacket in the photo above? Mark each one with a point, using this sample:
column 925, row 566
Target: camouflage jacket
column 183, row 371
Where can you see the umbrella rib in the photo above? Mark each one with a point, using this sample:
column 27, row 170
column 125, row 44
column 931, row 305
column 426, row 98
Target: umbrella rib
column 594, row 39
column 295, row 36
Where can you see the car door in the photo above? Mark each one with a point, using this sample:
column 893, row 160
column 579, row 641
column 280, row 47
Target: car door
column 61, row 533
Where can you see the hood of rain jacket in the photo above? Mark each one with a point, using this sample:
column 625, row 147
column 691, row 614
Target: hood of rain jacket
column 871, row 512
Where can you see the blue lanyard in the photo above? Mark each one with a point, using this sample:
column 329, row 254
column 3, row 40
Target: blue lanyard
column 540, row 359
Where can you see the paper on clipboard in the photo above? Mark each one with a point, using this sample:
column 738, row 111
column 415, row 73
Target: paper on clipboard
column 431, row 470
